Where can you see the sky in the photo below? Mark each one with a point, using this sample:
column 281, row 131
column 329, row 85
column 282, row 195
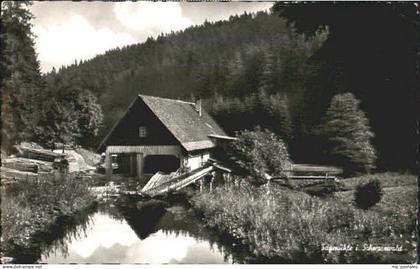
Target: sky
column 69, row 31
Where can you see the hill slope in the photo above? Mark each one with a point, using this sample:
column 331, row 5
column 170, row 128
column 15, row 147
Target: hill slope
column 237, row 57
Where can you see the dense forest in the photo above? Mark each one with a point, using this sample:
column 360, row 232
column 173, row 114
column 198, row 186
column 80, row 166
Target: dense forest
column 252, row 65
column 247, row 56
column 278, row 70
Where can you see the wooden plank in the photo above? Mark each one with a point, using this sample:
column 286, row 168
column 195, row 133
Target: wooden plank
column 225, row 137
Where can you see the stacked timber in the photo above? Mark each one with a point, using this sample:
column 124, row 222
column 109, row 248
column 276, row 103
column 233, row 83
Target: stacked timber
column 9, row 175
column 29, row 162
column 28, row 165
column 38, row 154
column 20, row 165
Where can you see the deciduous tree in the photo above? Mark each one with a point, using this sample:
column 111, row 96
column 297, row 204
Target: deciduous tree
column 259, row 153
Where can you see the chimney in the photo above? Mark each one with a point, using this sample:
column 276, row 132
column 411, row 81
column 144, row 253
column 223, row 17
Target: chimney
column 198, row 106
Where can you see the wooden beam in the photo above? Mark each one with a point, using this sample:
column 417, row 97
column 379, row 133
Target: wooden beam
column 108, row 165
column 132, row 163
column 305, row 177
column 140, row 165
column 149, row 150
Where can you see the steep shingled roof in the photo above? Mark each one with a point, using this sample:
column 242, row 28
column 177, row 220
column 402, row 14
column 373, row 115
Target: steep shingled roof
column 184, row 122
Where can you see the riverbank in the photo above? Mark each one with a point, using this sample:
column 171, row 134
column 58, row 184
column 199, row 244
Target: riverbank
column 30, row 209
column 293, row 227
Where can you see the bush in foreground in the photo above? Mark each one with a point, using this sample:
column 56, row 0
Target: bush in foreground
column 32, row 206
column 367, row 195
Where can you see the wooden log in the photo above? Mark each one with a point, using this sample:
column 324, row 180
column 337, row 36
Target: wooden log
column 39, row 154
column 21, row 166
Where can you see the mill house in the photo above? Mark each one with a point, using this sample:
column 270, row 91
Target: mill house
column 159, row 134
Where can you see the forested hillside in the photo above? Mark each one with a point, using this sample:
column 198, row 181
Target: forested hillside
column 256, row 69
column 235, row 58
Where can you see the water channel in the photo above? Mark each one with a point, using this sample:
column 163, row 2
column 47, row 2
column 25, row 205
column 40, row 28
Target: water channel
column 139, row 232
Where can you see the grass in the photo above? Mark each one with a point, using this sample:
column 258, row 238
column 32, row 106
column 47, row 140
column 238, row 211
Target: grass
column 292, row 226
column 387, row 180
column 32, row 206
column 399, row 192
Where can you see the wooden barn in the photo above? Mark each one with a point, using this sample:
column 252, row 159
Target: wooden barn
column 159, row 134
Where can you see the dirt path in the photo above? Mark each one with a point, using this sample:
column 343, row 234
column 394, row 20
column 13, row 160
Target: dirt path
column 76, row 161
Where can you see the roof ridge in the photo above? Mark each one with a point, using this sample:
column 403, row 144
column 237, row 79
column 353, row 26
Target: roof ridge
column 167, row 99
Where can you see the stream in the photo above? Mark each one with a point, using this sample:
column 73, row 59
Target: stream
column 131, row 231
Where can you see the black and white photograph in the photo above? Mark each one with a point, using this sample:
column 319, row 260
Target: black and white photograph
column 223, row 132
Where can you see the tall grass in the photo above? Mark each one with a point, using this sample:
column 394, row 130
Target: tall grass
column 33, row 206
column 294, row 227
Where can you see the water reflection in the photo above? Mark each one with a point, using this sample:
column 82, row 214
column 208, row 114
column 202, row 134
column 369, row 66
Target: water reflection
column 112, row 239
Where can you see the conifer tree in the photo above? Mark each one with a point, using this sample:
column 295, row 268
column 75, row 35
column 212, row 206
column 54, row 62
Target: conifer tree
column 236, row 71
column 22, row 87
column 276, row 114
column 268, row 76
column 346, row 128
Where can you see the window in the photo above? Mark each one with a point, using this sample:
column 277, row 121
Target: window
column 142, row 131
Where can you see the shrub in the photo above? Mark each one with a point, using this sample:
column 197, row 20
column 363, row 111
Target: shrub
column 257, row 153
column 367, row 195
